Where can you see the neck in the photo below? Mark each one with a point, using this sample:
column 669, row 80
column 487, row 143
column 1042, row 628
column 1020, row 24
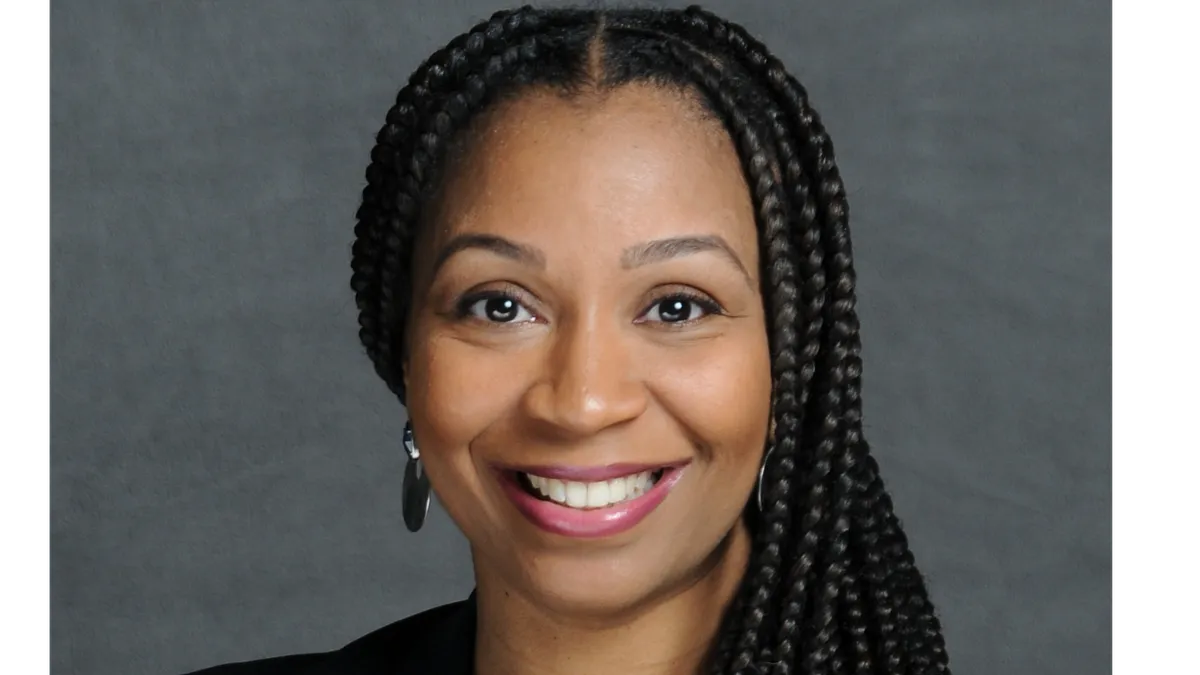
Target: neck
column 669, row 634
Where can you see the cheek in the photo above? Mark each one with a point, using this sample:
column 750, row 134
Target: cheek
column 455, row 391
column 721, row 394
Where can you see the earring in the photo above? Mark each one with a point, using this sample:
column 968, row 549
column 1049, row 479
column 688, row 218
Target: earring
column 762, row 470
column 415, row 491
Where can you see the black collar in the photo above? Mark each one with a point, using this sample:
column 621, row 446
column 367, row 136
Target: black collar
column 439, row 641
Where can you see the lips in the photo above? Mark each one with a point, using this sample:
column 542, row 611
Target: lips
column 589, row 502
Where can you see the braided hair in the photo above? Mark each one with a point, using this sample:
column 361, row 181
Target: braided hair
column 831, row 587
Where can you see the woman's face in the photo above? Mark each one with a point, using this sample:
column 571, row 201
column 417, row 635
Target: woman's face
column 587, row 370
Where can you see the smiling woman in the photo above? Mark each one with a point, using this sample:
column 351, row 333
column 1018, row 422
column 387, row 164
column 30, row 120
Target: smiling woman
column 624, row 350
column 603, row 259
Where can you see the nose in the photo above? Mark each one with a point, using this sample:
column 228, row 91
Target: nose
column 589, row 383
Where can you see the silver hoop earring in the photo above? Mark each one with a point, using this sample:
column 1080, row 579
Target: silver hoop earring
column 415, row 491
column 762, row 470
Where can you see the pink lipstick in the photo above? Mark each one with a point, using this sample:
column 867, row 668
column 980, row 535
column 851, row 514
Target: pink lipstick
column 539, row 494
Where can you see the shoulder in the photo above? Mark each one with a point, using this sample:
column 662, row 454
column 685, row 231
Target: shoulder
column 441, row 640
column 282, row 665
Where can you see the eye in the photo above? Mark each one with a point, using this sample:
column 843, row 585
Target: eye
column 494, row 308
column 680, row 308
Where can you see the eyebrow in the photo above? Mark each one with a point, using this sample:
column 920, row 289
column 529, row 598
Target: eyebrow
column 500, row 246
column 662, row 250
column 659, row 250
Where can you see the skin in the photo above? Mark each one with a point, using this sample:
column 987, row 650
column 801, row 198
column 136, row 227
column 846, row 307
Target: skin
column 594, row 369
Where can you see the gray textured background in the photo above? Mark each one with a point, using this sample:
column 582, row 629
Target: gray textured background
column 226, row 467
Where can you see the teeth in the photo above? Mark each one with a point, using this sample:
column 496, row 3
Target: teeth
column 597, row 495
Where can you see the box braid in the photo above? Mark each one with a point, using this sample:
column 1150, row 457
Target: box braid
column 832, row 586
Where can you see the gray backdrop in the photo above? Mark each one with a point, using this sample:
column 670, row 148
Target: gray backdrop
column 226, row 466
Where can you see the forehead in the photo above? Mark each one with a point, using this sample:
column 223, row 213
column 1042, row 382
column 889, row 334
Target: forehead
column 599, row 173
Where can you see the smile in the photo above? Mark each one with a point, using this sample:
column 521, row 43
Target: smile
column 595, row 495
column 589, row 502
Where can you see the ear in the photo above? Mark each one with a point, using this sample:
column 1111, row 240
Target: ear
column 404, row 358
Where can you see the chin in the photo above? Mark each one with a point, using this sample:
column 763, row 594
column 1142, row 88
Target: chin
column 574, row 585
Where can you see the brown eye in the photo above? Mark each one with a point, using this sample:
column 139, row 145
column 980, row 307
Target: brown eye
column 680, row 308
column 494, row 308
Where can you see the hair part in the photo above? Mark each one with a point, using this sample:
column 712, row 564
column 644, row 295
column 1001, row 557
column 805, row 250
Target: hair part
column 832, row 586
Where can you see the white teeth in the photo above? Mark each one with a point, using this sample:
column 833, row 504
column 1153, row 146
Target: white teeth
column 578, row 495
column 597, row 495
column 616, row 489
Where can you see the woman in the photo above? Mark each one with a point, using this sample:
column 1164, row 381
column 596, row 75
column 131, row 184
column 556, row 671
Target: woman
column 603, row 259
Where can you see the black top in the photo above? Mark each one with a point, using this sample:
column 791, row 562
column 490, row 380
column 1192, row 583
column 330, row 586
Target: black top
column 440, row 641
